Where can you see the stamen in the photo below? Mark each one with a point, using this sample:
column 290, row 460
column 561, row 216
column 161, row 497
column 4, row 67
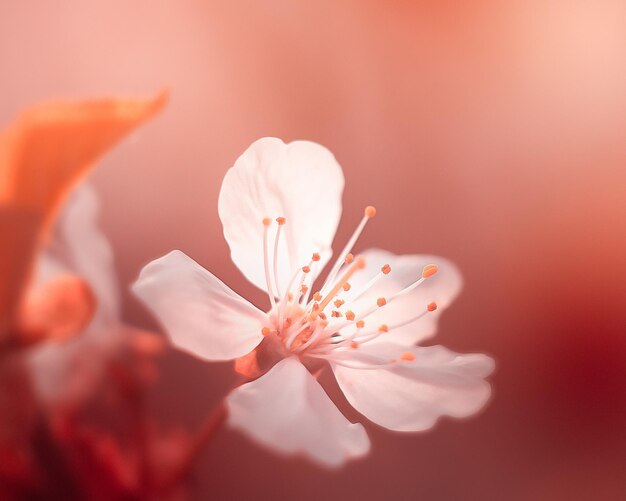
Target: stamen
column 317, row 296
column 266, row 264
column 349, row 315
column 346, row 287
column 316, row 256
column 338, row 302
column 337, row 314
column 354, row 345
column 265, row 331
column 370, row 212
column 349, row 258
column 381, row 301
column 407, row 356
column 383, row 328
column 385, row 270
column 303, row 289
column 358, row 264
column 432, row 306
column 306, row 269
column 360, row 324
column 281, row 221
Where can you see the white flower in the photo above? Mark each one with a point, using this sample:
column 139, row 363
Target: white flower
column 280, row 205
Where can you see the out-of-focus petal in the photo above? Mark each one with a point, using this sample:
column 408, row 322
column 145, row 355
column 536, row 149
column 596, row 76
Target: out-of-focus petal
column 77, row 245
column 412, row 395
column 300, row 181
column 287, row 411
column 56, row 311
column 199, row 313
column 442, row 288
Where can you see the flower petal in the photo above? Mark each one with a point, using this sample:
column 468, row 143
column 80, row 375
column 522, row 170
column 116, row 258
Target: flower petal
column 200, row 314
column 442, row 288
column 288, row 411
column 300, row 181
column 412, row 395
column 79, row 246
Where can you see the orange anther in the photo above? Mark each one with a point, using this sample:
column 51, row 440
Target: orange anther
column 354, row 345
column 306, row 269
column 383, row 328
column 289, row 296
column 303, row 289
column 267, row 221
column 317, row 296
column 381, row 301
column 370, row 211
column 316, row 306
column 336, row 314
column 407, row 356
column 386, row 269
column 338, row 303
column 265, row 331
column 316, row 257
column 346, row 287
column 432, row 306
column 360, row 263
column 350, row 315
column 322, row 315
column 281, row 220
column 349, row 258
column 360, row 324
column 429, row 270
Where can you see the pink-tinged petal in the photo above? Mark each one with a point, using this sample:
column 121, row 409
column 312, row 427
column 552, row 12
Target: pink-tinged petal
column 289, row 412
column 199, row 313
column 300, row 181
column 442, row 288
column 422, row 385
column 77, row 245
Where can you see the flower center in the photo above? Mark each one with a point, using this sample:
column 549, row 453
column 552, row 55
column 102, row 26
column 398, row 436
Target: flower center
column 326, row 323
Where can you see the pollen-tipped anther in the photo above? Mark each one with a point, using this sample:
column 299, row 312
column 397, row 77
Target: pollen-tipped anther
column 407, row 356
column 360, row 324
column 370, row 211
column 386, row 269
column 315, row 257
column 381, row 301
column 383, row 328
column 350, row 315
column 429, row 270
column 306, row 269
column 265, row 331
column 432, row 306
column 281, row 220
column 349, row 258
column 338, row 303
column 267, row 221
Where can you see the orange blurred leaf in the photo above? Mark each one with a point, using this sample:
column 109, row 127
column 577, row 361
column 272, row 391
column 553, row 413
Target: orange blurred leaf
column 43, row 155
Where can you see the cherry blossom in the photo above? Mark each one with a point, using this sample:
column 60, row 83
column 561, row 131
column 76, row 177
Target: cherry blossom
column 280, row 205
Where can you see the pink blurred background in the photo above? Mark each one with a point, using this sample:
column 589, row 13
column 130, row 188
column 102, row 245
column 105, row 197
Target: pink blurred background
column 487, row 132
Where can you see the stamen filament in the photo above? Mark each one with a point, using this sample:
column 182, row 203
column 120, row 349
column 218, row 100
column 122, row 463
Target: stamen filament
column 266, row 264
column 370, row 212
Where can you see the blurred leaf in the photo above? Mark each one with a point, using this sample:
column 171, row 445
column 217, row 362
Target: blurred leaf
column 43, row 155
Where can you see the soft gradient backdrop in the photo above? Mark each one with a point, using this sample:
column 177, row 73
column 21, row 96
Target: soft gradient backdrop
column 492, row 133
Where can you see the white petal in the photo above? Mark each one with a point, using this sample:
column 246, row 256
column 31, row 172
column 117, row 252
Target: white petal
column 300, row 181
column 79, row 247
column 411, row 396
column 199, row 313
column 442, row 288
column 289, row 412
